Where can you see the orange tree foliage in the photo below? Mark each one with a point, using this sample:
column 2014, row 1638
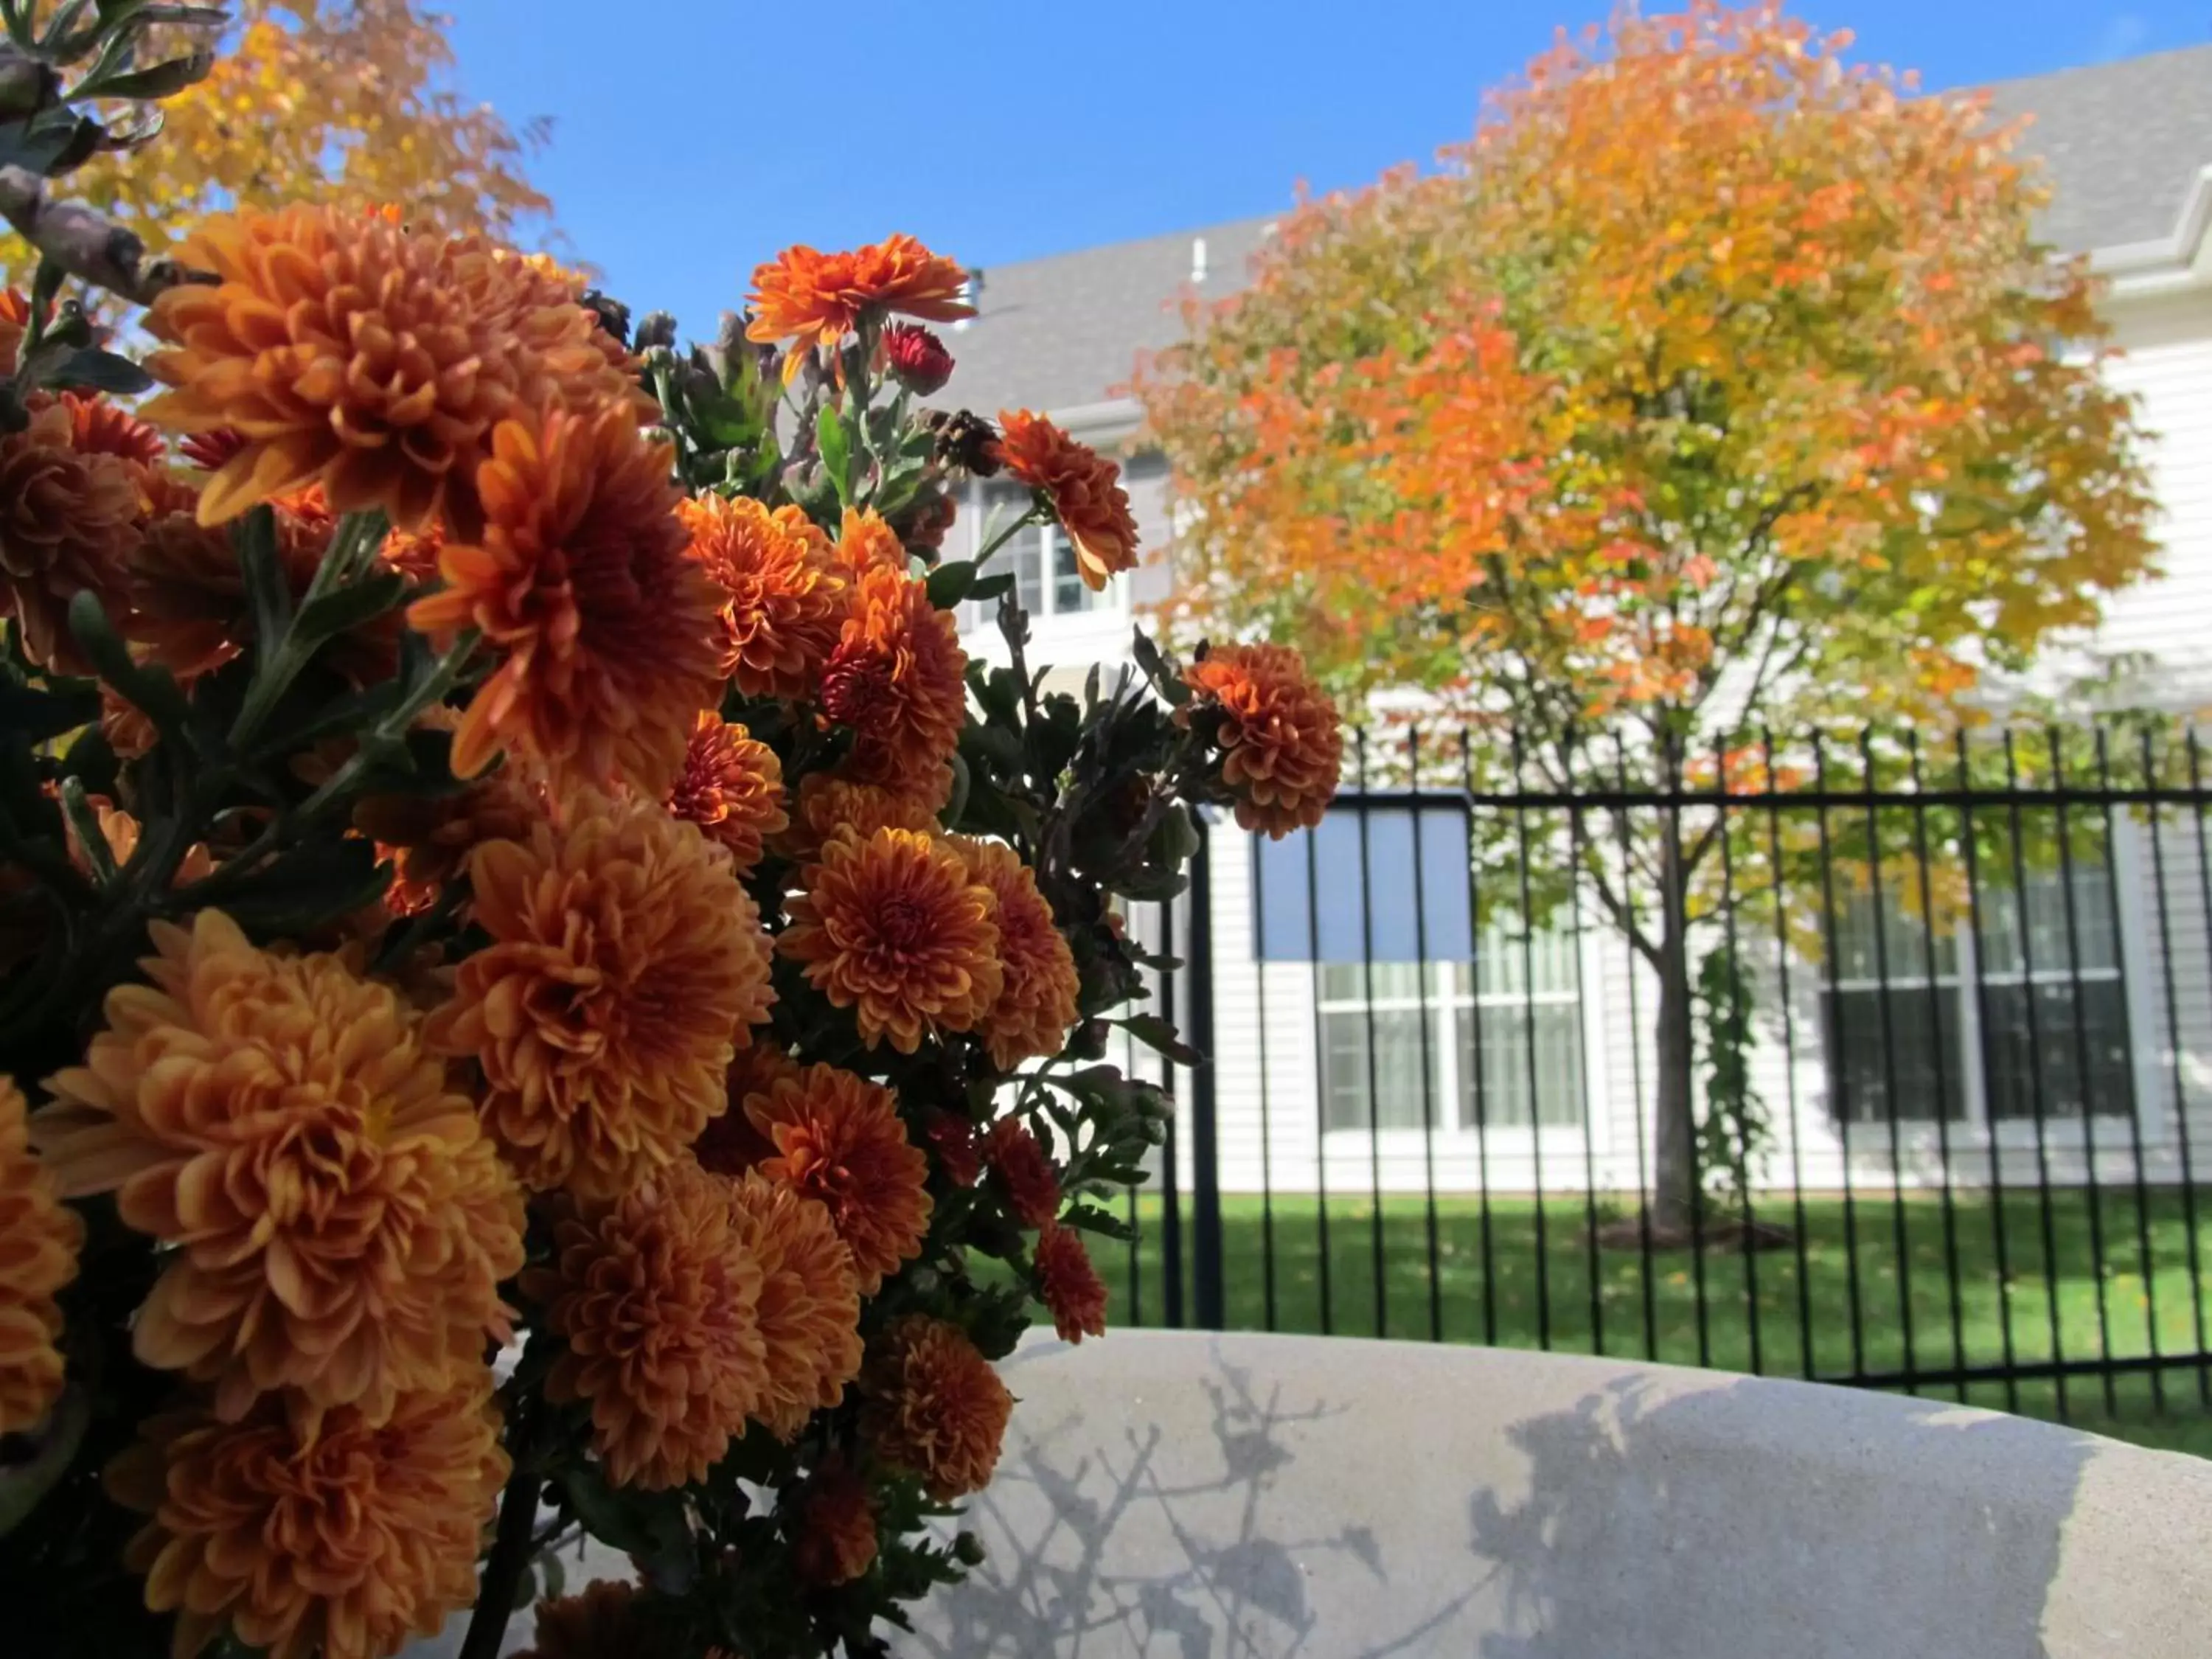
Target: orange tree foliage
column 1711, row 359
column 1715, row 381
column 347, row 101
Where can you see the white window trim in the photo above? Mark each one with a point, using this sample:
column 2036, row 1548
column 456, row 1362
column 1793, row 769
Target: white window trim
column 1110, row 606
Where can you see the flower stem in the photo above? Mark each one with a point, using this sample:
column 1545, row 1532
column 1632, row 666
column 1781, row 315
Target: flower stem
column 512, row 1549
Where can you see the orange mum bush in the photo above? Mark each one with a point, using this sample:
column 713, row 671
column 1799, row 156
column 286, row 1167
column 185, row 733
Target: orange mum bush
column 343, row 350
column 340, row 1224
column 934, row 1407
column 1070, row 1285
column 865, row 543
column 731, row 787
column 625, row 963
column 730, row 1145
column 39, row 1242
column 839, row 1141
column 828, row 804
column 898, row 679
column 603, row 630
column 336, row 1539
column 1281, row 742
column 1039, row 990
column 1024, row 1170
column 98, row 427
column 821, row 298
column 781, row 599
column 1084, row 489
column 427, row 839
column 835, row 1525
column 892, row 927
column 67, row 522
column 608, row 1619
column 658, row 1298
column 810, row 1304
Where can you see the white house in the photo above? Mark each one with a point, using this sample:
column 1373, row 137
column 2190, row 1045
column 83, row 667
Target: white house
column 1318, row 1040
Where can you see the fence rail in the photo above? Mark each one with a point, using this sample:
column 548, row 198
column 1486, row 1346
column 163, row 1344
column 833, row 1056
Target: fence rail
column 1815, row 1059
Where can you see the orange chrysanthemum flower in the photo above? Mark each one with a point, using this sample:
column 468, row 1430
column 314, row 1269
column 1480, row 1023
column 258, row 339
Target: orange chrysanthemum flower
column 810, row 1305
column 820, row 298
column 626, row 962
column 781, row 599
column 608, row 1619
column 98, row 427
column 1069, row 1286
column 1024, row 1171
column 730, row 1145
column 14, row 317
column 346, row 350
column 340, row 1222
column 732, row 786
column 865, row 543
column 427, row 839
column 604, row 631
column 657, row 1296
column 935, row 1408
column 40, row 1239
column 839, row 1141
column 898, row 677
column 894, row 928
column 336, row 1539
column 834, row 1537
column 67, row 520
column 1084, row 489
column 1281, row 745
column 1038, row 1000
column 828, row 804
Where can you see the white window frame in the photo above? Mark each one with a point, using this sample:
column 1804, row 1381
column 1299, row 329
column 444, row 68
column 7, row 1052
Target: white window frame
column 1110, row 602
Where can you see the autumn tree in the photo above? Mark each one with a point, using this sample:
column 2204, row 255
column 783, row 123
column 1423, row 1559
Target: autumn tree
column 349, row 101
column 1715, row 381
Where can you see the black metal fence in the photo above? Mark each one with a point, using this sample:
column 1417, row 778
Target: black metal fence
column 1872, row 1062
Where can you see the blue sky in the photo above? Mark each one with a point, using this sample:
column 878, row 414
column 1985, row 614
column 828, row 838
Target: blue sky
column 693, row 138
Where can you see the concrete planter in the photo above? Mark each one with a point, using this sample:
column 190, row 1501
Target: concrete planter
column 1215, row 1496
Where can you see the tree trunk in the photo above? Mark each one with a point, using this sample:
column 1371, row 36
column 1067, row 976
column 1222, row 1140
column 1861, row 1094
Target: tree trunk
column 1674, row 1127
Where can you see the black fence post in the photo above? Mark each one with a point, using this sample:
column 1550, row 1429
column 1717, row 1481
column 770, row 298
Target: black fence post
column 1204, row 1128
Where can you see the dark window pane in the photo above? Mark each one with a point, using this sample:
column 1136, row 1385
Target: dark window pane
column 1863, row 1071
column 2016, row 1066
column 1396, row 1076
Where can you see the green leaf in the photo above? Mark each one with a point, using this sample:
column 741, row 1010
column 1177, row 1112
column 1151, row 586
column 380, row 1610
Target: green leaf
column 1091, row 1218
column 949, row 584
column 992, row 587
column 1156, row 1034
column 298, row 890
column 102, row 371
column 149, row 687
column 267, row 591
column 158, row 80
column 335, row 613
column 836, row 443
column 29, row 715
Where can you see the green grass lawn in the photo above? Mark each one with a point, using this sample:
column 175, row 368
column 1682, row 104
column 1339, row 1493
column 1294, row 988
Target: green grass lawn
column 1663, row 1314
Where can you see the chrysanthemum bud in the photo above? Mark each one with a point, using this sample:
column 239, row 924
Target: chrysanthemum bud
column 26, row 86
column 966, row 442
column 918, row 358
column 655, row 328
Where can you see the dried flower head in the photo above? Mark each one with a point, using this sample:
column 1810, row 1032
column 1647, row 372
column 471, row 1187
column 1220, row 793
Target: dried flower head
column 67, row 520
column 892, row 927
column 347, row 351
column 1069, row 1285
column 625, row 963
column 1024, row 1171
column 809, row 1303
column 935, row 1408
column 1039, row 991
column 833, row 1531
column 821, row 298
column 732, row 786
column 1084, row 489
column 839, row 1141
column 781, row 599
column 340, row 1224
column 918, row 358
column 898, row 679
column 39, row 1238
column 959, row 1150
column 658, row 1298
column 336, row 1539
column 604, row 632
column 1281, row 745
column 611, row 1618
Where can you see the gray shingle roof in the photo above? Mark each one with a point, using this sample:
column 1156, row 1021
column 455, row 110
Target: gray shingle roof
column 2124, row 141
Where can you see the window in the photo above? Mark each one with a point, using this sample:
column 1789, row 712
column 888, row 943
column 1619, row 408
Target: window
column 1503, row 1050
column 2019, row 1018
column 1040, row 557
